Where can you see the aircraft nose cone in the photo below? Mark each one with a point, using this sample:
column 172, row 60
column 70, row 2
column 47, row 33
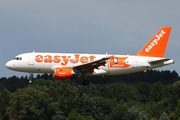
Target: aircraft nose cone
column 9, row 65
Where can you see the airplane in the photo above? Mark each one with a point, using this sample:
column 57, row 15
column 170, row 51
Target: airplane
column 65, row 66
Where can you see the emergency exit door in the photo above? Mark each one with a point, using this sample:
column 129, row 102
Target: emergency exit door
column 31, row 59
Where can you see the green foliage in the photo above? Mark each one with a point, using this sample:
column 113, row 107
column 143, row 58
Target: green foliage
column 29, row 103
column 76, row 116
column 105, row 105
column 157, row 92
column 85, row 105
column 134, row 114
column 177, row 111
column 58, row 116
column 164, row 116
column 119, row 112
column 126, row 99
column 144, row 91
column 13, row 83
column 4, row 100
column 122, row 92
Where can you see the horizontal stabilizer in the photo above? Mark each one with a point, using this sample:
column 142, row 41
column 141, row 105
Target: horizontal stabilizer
column 159, row 61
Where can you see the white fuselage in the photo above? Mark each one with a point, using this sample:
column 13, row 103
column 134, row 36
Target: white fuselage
column 37, row 62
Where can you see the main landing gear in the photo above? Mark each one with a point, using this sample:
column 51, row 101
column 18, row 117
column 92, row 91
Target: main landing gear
column 30, row 77
column 85, row 82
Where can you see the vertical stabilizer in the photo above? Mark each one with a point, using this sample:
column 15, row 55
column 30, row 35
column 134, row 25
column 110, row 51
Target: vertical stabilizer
column 156, row 46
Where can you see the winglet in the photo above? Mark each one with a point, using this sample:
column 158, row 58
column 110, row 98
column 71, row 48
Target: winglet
column 156, row 46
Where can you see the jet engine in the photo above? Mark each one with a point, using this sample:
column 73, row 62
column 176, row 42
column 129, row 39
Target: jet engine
column 63, row 73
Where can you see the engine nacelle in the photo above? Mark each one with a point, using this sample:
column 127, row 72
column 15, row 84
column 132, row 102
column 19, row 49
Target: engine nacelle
column 63, row 73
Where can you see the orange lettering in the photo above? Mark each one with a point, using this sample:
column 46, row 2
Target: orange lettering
column 76, row 59
column 65, row 60
column 57, row 59
column 84, row 59
column 39, row 58
column 92, row 58
column 48, row 58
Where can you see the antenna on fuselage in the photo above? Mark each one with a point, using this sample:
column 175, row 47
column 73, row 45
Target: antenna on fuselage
column 106, row 54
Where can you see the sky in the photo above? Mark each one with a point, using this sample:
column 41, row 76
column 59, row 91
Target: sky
column 85, row 26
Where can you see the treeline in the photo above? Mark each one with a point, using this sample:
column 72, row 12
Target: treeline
column 150, row 95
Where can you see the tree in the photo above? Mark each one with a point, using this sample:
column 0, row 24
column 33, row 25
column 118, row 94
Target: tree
column 144, row 91
column 164, row 116
column 4, row 100
column 105, row 105
column 156, row 92
column 135, row 114
column 58, row 116
column 85, row 105
column 121, row 92
column 176, row 89
column 76, row 116
column 177, row 111
column 54, row 109
column 29, row 103
column 67, row 96
column 119, row 112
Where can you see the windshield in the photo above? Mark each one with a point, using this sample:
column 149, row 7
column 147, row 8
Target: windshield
column 17, row 58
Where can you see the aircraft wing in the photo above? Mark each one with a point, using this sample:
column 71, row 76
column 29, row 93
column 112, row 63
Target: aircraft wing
column 89, row 67
column 159, row 61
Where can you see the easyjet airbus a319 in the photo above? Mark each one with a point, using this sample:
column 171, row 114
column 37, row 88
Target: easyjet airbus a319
column 66, row 66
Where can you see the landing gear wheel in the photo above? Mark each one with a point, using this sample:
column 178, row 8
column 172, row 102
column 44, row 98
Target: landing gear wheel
column 85, row 82
column 30, row 77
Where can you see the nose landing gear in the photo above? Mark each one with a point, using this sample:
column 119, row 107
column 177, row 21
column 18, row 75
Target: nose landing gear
column 30, row 77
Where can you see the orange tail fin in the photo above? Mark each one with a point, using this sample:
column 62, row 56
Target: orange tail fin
column 156, row 46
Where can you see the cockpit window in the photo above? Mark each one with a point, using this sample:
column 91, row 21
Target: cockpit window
column 17, row 58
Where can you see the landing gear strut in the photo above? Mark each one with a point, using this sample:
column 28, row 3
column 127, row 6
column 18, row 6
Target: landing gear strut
column 85, row 81
column 30, row 77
